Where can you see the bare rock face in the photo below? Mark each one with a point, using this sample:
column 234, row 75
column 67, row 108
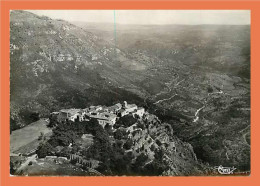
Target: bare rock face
column 166, row 154
column 55, row 64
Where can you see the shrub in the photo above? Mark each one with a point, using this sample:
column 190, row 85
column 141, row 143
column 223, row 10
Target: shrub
column 128, row 144
column 210, row 89
column 41, row 136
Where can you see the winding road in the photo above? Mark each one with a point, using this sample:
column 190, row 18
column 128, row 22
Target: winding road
column 197, row 113
column 161, row 100
column 167, row 92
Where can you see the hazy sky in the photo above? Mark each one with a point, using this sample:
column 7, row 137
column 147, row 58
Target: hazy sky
column 235, row 17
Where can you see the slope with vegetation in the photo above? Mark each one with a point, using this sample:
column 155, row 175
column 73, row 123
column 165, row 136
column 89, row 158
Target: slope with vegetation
column 196, row 78
column 123, row 150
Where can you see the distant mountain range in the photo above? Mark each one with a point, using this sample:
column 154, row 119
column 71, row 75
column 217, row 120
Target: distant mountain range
column 56, row 64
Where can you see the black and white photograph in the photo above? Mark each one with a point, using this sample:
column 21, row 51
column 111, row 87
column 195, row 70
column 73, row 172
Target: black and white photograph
column 130, row 92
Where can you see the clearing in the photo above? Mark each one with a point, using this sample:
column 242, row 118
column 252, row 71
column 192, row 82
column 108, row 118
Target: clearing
column 22, row 137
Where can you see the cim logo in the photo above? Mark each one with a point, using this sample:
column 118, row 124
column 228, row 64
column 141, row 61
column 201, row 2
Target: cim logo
column 225, row 170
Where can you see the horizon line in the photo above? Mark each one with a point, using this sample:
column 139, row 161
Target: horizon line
column 154, row 24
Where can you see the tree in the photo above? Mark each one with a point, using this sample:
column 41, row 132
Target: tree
column 101, row 149
column 158, row 142
column 63, row 135
column 12, row 168
column 157, row 166
column 92, row 127
column 154, row 169
column 41, row 136
column 140, row 125
column 137, row 167
column 53, row 121
column 75, row 148
column 120, row 134
column 128, row 144
column 158, row 154
column 35, row 116
column 44, row 149
column 108, row 129
column 127, row 120
column 13, row 125
column 210, row 89
column 119, row 143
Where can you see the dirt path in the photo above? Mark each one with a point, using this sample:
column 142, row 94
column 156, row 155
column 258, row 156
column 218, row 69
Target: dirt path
column 26, row 163
column 197, row 113
column 205, row 104
column 167, row 92
column 244, row 132
column 161, row 100
column 244, row 138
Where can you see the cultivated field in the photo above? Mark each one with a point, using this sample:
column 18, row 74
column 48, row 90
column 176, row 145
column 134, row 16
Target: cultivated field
column 24, row 136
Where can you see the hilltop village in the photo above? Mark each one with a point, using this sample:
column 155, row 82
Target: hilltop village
column 122, row 139
column 139, row 135
column 104, row 115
